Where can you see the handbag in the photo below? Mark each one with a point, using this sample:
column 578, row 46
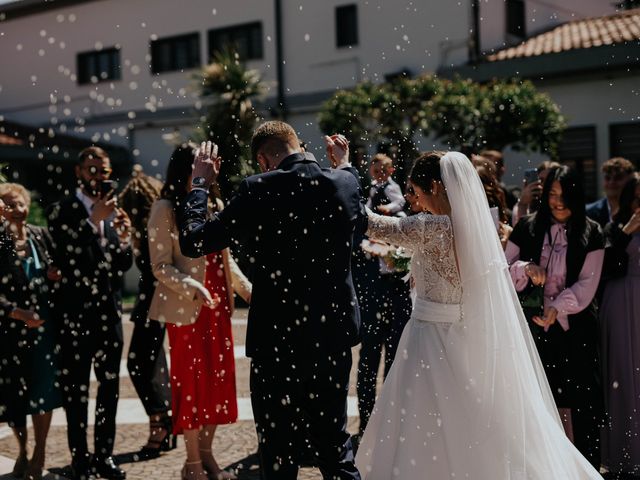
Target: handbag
column 532, row 297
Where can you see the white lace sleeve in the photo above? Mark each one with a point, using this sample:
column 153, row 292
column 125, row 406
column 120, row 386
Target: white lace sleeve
column 410, row 232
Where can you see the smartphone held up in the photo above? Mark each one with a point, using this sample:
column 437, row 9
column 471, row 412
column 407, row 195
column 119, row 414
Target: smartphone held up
column 107, row 188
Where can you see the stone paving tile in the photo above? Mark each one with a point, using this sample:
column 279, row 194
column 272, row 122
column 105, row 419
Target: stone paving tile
column 234, row 446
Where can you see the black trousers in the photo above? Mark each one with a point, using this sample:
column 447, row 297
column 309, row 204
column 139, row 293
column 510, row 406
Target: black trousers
column 290, row 405
column 83, row 344
column 381, row 330
column 147, row 366
column 15, row 370
column 571, row 363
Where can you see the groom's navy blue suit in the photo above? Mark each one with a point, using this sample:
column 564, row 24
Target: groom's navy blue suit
column 298, row 222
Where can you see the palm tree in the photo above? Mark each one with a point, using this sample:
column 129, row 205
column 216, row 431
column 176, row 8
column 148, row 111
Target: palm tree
column 229, row 89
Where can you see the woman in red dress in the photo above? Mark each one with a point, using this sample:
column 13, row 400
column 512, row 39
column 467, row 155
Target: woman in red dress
column 195, row 298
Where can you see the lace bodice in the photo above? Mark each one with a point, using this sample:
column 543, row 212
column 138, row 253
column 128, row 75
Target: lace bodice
column 433, row 263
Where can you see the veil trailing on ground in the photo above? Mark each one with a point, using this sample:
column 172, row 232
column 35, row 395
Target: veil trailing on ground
column 500, row 364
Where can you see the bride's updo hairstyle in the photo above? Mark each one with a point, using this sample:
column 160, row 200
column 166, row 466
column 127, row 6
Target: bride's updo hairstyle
column 426, row 170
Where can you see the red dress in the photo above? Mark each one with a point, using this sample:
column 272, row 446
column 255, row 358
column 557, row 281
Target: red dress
column 203, row 376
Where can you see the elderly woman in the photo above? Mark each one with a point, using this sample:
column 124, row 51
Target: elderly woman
column 28, row 357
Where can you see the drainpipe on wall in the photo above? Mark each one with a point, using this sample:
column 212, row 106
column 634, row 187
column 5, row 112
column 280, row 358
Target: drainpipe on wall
column 281, row 108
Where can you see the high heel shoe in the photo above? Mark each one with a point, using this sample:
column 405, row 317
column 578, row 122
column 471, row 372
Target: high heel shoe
column 189, row 473
column 33, row 471
column 154, row 448
column 217, row 473
column 22, row 462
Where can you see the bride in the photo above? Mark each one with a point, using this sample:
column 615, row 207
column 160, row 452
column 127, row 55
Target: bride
column 466, row 397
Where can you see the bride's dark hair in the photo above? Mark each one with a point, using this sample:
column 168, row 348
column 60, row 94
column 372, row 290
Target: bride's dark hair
column 426, row 170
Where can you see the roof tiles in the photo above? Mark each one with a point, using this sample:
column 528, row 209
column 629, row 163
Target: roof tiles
column 577, row 34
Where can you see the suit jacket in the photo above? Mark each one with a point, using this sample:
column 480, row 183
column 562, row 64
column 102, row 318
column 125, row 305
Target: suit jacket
column 178, row 275
column 15, row 288
column 298, row 222
column 599, row 211
column 92, row 268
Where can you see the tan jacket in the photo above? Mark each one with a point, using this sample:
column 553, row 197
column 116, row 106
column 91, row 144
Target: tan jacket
column 178, row 276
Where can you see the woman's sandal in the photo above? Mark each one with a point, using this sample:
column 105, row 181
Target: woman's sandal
column 219, row 474
column 189, row 474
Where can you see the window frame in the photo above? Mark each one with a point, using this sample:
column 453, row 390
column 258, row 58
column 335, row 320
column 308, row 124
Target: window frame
column 115, row 67
column 352, row 39
column 508, row 18
column 590, row 179
column 172, row 43
column 613, row 148
column 248, row 27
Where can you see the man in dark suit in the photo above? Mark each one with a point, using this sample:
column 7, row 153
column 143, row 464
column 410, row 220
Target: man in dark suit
column 298, row 220
column 616, row 173
column 91, row 237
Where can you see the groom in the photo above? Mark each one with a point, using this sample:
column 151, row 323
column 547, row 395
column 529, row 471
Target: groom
column 298, row 220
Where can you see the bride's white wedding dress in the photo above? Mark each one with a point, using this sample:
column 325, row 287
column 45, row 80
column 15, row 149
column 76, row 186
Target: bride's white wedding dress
column 466, row 397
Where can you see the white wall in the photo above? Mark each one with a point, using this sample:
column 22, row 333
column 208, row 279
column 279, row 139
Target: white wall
column 392, row 35
column 597, row 102
column 45, row 45
column 39, row 86
column 42, row 49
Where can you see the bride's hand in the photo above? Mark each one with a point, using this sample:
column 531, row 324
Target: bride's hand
column 536, row 273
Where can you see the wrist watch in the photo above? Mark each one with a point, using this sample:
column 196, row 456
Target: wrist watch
column 198, row 182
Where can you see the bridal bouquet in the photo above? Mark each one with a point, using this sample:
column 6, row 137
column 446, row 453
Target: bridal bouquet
column 398, row 259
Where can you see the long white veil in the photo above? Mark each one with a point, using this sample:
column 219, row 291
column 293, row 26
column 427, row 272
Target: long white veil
column 500, row 364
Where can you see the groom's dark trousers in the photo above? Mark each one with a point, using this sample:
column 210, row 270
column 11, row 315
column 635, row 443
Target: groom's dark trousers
column 298, row 224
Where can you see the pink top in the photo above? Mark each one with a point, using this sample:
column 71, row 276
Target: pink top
column 567, row 301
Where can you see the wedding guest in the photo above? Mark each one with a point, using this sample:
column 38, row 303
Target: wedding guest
column 146, row 361
column 616, row 172
column 92, row 249
column 498, row 159
column 529, row 201
column 621, row 336
column 28, row 358
column 382, row 325
column 385, row 195
column 194, row 297
column 562, row 250
column 495, row 196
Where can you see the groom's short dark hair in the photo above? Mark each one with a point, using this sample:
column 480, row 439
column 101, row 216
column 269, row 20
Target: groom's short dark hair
column 275, row 136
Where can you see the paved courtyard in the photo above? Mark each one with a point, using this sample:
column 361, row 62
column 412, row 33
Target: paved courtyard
column 234, row 446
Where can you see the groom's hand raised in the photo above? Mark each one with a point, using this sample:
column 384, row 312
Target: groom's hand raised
column 337, row 150
column 206, row 163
